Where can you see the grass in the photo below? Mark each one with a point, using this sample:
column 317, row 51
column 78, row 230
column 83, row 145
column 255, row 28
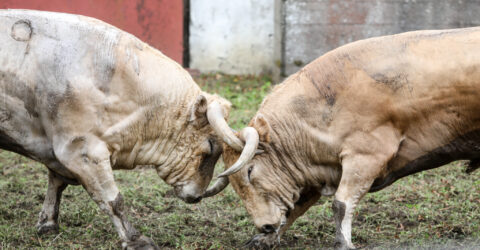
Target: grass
column 435, row 209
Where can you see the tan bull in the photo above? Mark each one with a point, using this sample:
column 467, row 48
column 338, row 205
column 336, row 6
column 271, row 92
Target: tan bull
column 354, row 121
column 84, row 98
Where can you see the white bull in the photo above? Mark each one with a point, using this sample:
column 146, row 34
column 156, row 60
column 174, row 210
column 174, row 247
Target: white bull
column 84, row 98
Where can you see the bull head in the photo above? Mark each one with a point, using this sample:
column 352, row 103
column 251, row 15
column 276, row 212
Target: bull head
column 193, row 173
column 273, row 204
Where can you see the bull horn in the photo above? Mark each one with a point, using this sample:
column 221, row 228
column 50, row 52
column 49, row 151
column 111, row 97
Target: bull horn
column 217, row 187
column 250, row 136
column 216, row 119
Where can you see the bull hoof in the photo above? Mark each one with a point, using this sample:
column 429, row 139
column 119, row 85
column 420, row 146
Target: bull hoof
column 141, row 243
column 262, row 241
column 342, row 246
column 47, row 229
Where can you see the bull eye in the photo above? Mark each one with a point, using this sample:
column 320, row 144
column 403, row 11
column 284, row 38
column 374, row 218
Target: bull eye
column 249, row 172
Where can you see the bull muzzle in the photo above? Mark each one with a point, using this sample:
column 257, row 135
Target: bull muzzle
column 183, row 193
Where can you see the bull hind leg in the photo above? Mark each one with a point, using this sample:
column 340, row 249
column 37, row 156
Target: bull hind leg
column 89, row 159
column 363, row 160
column 48, row 217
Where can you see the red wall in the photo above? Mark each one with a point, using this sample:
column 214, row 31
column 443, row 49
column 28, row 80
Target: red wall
column 157, row 22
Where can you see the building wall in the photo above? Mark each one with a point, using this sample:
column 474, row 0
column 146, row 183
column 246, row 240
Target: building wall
column 157, row 22
column 234, row 36
column 262, row 36
column 312, row 28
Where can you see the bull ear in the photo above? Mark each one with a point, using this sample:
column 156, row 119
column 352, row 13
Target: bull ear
column 263, row 128
column 198, row 114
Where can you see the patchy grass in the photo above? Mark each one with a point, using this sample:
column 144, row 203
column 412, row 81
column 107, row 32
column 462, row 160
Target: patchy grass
column 435, row 209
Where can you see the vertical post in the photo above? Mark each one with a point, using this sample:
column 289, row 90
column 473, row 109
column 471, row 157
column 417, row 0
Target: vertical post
column 278, row 72
column 186, row 34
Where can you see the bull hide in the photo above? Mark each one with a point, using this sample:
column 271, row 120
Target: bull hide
column 357, row 119
column 84, row 98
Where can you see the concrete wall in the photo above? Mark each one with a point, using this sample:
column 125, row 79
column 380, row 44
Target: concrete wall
column 232, row 36
column 312, row 28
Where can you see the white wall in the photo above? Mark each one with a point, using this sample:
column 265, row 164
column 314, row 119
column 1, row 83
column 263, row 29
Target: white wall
column 232, row 36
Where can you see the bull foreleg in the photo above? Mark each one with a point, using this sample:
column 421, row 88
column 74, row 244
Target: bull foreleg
column 343, row 207
column 90, row 162
column 363, row 159
column 267, row 241
column 301, row 206
column 354, row 184
column 47, row 221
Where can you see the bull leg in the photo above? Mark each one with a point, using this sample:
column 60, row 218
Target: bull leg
column 364, row 158
column 343, row 207
column 267, row 241
column 354, row 184
column 301, row 206
column 47, row 221
column 90, row 162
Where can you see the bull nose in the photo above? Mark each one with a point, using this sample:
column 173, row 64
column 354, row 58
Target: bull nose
column 267, row 229
column 193, row 199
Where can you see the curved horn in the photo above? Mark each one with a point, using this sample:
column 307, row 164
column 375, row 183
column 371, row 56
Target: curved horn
column 250, row 136
column 217, row 187
column 216, row 119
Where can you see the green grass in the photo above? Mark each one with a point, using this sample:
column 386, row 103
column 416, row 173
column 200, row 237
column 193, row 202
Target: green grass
column 438, row 208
